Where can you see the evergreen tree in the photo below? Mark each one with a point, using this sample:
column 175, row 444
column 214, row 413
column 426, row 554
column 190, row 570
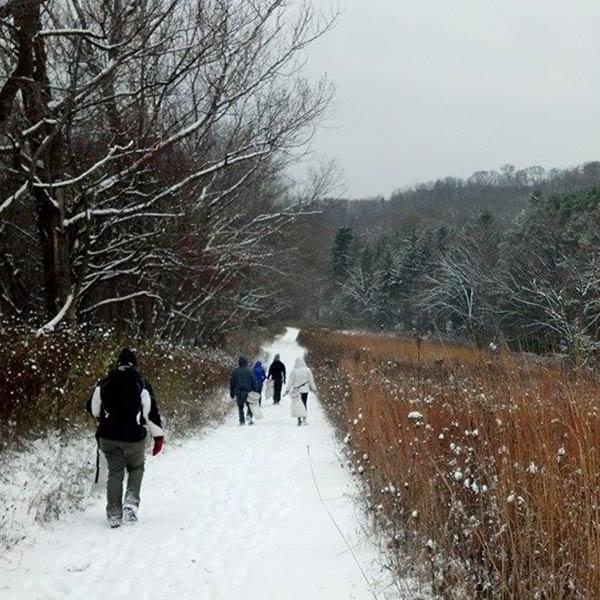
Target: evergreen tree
column 342, row 250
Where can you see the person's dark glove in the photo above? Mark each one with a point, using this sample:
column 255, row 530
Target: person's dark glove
column 159, row 445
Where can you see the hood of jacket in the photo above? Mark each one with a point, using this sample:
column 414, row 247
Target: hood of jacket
column 300, row 364
column 242, row 361
column 258, row 366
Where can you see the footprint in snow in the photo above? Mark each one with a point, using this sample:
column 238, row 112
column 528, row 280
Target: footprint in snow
column 78, row 568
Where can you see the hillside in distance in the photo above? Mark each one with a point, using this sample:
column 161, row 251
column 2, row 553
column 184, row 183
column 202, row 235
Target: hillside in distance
column 452, row 201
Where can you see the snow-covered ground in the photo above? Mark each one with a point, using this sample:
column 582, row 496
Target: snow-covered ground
column 233, row 515
column 41, row 482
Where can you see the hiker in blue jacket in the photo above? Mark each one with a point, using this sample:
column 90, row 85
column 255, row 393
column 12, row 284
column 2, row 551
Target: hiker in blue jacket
column 260, row 376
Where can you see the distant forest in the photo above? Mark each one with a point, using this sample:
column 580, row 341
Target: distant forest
column 509, row 256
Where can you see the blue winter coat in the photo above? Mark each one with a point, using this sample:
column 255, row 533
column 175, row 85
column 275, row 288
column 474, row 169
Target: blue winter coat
column 259, row 375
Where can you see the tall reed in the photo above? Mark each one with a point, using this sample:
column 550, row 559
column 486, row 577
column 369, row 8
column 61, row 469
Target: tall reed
column 483, row 467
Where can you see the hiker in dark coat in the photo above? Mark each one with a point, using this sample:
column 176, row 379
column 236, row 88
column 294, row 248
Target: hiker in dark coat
column 124, row 406
column 278, row 375
column 241, row 384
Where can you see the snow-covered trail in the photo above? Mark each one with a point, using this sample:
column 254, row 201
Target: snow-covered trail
column 232, row 515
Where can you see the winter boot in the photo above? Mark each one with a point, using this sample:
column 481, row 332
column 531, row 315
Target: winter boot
column 304, row 421
column 299, row 422
column 130, row 515
column 114, row 522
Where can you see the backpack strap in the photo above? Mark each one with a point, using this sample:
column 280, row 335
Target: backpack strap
column 97, row 474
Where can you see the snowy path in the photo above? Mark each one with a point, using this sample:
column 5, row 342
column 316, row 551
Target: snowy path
column 233, row 515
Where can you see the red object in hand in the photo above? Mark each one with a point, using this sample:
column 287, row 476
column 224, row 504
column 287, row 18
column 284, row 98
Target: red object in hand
column 159, row 444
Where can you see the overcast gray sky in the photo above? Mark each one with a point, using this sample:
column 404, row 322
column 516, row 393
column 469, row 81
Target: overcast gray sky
column 429, row 88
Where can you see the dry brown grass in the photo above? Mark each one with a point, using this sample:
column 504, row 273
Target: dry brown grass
column 495, row 490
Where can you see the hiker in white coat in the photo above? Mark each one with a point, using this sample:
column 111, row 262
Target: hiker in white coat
column 300, row 383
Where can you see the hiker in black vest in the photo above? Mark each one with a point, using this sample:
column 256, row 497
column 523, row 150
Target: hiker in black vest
column 124, row 405
column 241, row 384
column 278, row 375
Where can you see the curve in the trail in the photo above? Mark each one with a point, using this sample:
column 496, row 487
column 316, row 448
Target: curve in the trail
column 232, row 515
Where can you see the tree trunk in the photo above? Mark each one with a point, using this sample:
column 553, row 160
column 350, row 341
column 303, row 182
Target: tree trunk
column 54, row 252
column 50, row 204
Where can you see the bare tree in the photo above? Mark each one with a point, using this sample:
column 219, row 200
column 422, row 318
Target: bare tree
column 464, row 287
column 560, row 302
column 141, row 120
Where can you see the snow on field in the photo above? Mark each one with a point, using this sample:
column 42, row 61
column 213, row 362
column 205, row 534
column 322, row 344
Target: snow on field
column 41, row 482
column 233, row 515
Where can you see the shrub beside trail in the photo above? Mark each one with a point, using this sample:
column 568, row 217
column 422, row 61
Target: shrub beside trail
column 481, row 466
column 46, row 380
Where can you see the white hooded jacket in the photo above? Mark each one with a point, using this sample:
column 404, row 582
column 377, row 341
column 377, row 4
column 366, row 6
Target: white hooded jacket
column 301, row 378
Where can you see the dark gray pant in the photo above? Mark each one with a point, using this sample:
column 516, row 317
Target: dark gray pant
column 243, row 402
column 122, row 456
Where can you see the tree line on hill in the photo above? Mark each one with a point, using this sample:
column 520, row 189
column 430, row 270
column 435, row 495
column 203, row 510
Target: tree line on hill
column 509, row 257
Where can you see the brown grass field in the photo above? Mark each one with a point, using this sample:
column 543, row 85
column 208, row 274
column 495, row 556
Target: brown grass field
column 491, row 488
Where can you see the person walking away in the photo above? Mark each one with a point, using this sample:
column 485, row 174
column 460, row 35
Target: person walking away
column 242, row 382
column 278, row 375
column 124, row 406
column 260, row 376
column 301, row 381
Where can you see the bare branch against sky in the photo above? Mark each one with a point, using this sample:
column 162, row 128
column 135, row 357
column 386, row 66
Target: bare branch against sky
column 429, row 88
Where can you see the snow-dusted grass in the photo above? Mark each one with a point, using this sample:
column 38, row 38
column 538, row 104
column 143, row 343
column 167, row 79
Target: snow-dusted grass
column 46, row 380
column 486, row 468
column 45, row 478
